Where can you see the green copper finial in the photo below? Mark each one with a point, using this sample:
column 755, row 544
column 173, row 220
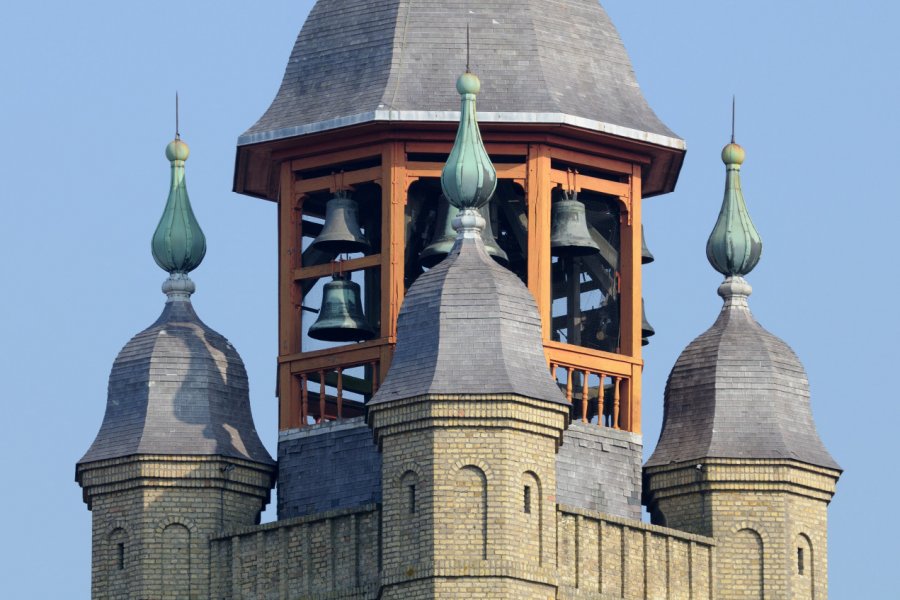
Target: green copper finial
column 734, row 246
column 468, row 178
column 178, row 244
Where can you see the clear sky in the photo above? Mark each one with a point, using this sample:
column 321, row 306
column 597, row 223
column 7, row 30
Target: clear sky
column 86, row 110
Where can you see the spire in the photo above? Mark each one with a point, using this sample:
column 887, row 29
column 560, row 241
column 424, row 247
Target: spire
column 468, row 178
column 734, row 246
column 178, row 244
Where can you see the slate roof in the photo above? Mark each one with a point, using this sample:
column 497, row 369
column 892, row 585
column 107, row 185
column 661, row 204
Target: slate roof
column 178, row 388
column 468, row 326
column 737, row 391
column 541, row 61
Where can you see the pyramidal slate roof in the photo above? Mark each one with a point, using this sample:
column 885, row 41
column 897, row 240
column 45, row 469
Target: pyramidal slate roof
column 468, row 327
column 737, row 391
column 558, row 62
column 178, row 388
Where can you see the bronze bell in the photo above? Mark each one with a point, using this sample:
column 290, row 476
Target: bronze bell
column 445, row 236
column 646, row 255
column 569, row 230
column 341, row 233
column 646, row 328
column 341, row 318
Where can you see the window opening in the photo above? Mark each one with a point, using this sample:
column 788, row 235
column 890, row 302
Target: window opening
column 412, row 499
column 527, row 499
column 800, row 564
column 120, row 556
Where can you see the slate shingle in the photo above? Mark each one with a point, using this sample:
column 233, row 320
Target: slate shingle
column 737, row 391
column 363, row 60
column 178, row 387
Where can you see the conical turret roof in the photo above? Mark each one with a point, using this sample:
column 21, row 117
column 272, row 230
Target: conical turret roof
column 737, row 391
column 178, row 387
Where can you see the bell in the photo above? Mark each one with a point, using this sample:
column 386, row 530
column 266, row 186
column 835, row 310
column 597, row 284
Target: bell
column 341, row 318
column 341, row 233
column 646, row 255
column 445, row 236
column 646, row 328
column 568, row 229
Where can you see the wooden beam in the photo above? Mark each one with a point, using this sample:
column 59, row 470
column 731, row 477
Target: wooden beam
column 344, row 266
column 594, row 184
column 349, row 356
column 594, row 161
column 493, row 148
column 597, row 361
column 427, row 169
column 326, row 182
column 324, row 159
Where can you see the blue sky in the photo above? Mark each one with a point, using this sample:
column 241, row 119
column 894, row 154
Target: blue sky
column 86, row 104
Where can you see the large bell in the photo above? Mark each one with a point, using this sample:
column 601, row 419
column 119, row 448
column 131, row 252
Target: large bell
column 569, row 230
column 341, row 318
column 646, row 255
column 646, row 328
column 341, row 233
column 445, row 236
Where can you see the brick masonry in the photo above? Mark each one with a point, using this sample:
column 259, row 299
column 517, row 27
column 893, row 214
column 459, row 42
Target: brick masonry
column 599, row 469
column 325, row 467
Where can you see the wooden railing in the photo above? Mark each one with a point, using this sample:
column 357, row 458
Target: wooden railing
column 600, row 390
column 339, row 395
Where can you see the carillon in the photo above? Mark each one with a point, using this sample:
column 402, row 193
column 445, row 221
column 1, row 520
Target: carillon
column 569, row 235
column 341, row 233
column 341, row 318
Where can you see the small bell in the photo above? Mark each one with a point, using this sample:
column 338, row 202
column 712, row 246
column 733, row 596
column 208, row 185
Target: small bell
column 646, row 328
column 341, row 233
column 646, row 255
column 568, row 229
column 445, row 236
column 341, row 318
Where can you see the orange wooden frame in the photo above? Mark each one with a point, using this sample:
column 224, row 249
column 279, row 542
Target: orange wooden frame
column 395, row 174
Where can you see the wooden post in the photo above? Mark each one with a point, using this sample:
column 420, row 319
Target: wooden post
column 340, row 392
column 537, row 195
column 393, row 236
column 615, row 415
column 321, row 396
column 289, row 315
column 569, row 384
column 630, row 274
column 304, row 400
column 585, row 392
column 375, row 377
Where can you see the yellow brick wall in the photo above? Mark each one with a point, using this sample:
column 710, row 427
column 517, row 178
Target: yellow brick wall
column 164, row 511
column 601, row 556
column 760, row 513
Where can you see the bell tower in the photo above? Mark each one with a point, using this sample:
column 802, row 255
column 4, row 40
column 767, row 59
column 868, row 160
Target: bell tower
column 739, row 458
column 368, row 127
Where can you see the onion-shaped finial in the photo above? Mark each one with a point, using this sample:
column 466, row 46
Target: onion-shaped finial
column 178, row 244
column 468, row 178
column 734, row 246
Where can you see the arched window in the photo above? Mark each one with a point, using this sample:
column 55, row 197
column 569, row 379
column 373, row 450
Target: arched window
column 804, row 579
column 743, row 551
column 470, row 504
column 533, row 516
column 117, row 564
column 176, row 562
